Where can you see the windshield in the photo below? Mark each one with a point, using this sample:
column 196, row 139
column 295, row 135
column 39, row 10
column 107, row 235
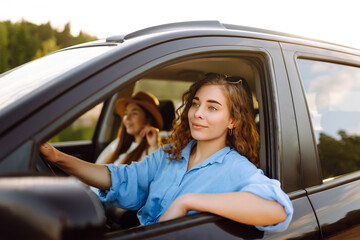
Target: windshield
column 25, row 79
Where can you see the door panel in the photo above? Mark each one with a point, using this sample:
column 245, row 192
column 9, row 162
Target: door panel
column 303, row 224
column 336, row 198
column 338, row 209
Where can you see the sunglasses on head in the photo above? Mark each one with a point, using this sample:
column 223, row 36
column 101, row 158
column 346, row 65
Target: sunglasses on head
column 234, row 80
column 230, row 79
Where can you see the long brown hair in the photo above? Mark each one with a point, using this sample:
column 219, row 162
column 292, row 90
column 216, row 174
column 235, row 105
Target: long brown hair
column 244, row 137
column 125, row 141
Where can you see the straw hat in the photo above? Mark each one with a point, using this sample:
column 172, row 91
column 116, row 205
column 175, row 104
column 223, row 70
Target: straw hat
column 145, row 100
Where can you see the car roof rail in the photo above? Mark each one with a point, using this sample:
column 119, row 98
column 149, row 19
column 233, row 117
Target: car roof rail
column 214, row 25
column 116, row 38
column 167, row 27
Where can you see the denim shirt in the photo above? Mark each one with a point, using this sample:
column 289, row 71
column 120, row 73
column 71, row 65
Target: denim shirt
column 154, row 183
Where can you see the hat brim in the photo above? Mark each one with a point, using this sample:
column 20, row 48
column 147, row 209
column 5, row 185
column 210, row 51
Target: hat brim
column 151, row 108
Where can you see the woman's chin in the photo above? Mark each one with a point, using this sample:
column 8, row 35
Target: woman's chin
column 131, row 132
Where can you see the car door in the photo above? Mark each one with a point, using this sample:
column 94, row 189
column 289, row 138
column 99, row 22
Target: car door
column 325, row 85
column 279, row 133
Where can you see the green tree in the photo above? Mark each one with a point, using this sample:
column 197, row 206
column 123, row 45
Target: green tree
column 47, row 47
column 64, row 38
column 4, row 51
column 20, row 44
column 341, row 156
column 23, row 41
column 83, row 37
column 45, row 31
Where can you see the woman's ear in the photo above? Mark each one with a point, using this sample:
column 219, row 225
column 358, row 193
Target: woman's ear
column 232, row 123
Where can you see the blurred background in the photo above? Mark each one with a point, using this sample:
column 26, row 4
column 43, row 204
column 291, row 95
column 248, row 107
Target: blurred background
column 31, row 29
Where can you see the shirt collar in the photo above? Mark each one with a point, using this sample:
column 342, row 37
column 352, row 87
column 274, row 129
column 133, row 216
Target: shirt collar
column 217, row 157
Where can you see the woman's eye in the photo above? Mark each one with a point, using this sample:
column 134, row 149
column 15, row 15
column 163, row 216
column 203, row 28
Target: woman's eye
column 212, row 108
column 194, row 104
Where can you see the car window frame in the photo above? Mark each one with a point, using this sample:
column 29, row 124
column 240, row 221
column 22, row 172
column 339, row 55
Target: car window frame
column 132, row 77
column 312, row 175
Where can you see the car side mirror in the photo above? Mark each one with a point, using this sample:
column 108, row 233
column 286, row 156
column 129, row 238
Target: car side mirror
column 49, row 208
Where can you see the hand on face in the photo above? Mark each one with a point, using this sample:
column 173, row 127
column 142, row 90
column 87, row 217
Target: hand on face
column 152, row 136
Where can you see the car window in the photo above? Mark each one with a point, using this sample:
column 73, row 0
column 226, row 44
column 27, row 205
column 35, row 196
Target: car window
column 81, row 129
column 164, row 90
column 170, row 82
column 333, row 96
column 33, row 76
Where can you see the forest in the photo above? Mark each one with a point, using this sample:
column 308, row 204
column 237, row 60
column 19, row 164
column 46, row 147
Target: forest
column 24, row 41
column 339, row 156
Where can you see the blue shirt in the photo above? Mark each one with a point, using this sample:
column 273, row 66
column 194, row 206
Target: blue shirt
column 154, row 183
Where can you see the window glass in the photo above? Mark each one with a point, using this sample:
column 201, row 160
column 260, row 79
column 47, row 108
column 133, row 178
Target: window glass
column 333, row 97
column 33, row 76
column 164, row 90
column 81, row 129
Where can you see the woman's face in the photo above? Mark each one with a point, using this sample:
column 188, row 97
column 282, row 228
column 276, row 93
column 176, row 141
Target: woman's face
column 134, row 119
column 209, row 115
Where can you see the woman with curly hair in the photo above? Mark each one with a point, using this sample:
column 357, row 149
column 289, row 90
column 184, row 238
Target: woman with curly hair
column 209, row 165
column 242, row 136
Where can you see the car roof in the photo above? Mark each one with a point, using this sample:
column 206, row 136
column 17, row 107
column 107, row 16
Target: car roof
column 197, row 28
column 178, row 30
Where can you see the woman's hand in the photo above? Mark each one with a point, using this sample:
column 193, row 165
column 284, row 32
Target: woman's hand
column 96, row 175
column 179, row 208
column 50, row 153
column 152, row 136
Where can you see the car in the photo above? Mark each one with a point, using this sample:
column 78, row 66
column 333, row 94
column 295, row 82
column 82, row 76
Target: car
column 305, row 96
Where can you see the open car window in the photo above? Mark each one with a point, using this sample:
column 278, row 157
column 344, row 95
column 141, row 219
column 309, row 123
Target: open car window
column 81, row 129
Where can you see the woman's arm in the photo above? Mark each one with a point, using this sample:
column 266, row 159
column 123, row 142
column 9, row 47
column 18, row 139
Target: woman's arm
column 92, row 174
column 243, row 207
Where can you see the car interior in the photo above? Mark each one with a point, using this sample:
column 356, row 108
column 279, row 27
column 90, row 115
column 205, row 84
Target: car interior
column 169, row 83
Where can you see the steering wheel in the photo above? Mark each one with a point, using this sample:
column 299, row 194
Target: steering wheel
column 44, row 166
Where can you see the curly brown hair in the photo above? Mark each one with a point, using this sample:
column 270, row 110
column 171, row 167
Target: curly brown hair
column 244, row 137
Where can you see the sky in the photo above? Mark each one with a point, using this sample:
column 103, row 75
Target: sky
column 328, row 20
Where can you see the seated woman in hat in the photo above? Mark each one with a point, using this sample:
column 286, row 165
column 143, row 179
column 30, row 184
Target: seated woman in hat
column 138, row 133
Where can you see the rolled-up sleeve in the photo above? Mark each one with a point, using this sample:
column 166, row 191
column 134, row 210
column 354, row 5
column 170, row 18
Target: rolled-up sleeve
column 130, row 183
column 270, row 189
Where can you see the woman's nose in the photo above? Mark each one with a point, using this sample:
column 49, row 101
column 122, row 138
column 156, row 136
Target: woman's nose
column 199, row 113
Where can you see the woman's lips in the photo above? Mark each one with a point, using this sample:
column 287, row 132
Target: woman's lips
column 198, row 126
column 128, row 125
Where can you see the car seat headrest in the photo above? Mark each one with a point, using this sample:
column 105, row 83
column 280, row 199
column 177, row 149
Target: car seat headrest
column 167, row 110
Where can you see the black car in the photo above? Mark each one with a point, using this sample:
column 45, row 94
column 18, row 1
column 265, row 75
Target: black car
column 305, row 97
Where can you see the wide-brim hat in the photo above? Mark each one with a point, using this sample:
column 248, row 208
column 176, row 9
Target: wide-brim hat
column 145, row 100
